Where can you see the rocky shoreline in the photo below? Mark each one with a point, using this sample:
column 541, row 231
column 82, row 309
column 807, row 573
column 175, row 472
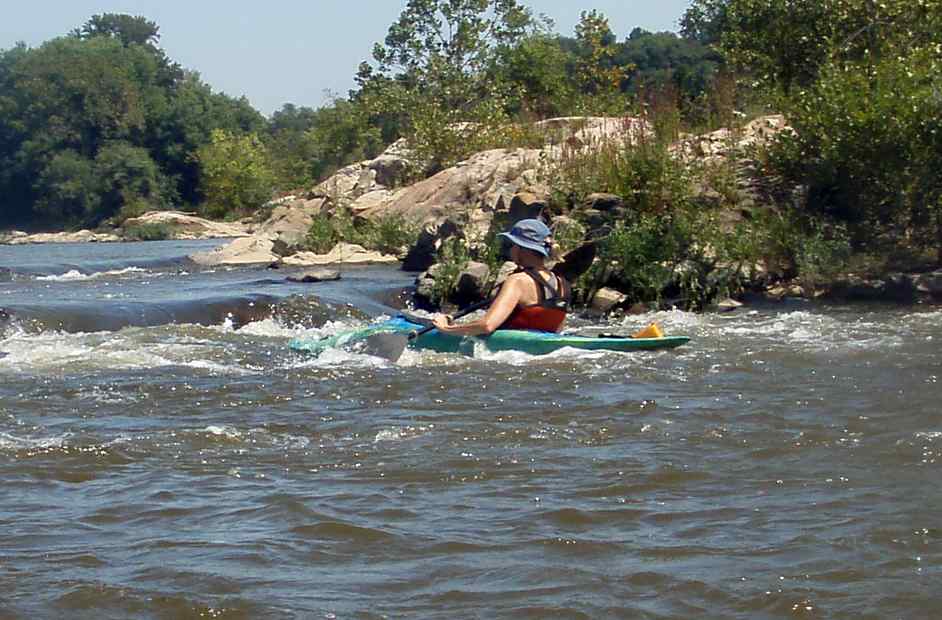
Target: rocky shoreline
column 471, row 201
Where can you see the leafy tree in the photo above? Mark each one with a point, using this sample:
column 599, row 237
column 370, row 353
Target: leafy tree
column 784, row 43
column 236, row 175
column 128, row 29
column 129, row 182
column 538, row 70
column 598, row 72
column 65, row 188
column 431, row 73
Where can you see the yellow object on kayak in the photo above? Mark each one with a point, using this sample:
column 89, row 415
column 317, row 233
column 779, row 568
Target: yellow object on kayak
column 651, row 331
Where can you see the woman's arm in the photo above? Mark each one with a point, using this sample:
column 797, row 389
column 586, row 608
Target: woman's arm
column 503, row 305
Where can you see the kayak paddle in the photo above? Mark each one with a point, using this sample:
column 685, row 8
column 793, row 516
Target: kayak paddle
column 391, row 345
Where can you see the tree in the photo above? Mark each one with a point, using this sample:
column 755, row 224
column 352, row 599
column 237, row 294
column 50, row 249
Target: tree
column 784, row 43
column 235, row 174
column 431, row 74
column 66, row 188
column 538, row 71
column 128, row 29
column 129, row 182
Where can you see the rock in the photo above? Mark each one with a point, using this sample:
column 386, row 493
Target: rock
column 729, row 305
column 244, row 251
column 422, row 254
column 641, row 308
column 471, row 283
column 315, row 275
column 594, row 218
column 795, row 291
column 82, row 236
column 525, row 206
column 606, row 298
column 603, row 202
column 425, row 283
column 289, row 224
column 775, row 292
column 582, row 132
column 931, row 284
column 181, row 225
column 391, row 169
column 342, row 253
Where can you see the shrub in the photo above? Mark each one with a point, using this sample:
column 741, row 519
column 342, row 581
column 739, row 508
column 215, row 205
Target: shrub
column 453, row 257
column 867, row 146
column 639, row 168
column 235, row 174
column 148, row 232
column 391, row 233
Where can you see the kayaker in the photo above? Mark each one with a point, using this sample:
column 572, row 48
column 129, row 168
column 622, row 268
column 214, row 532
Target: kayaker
column 533, row 297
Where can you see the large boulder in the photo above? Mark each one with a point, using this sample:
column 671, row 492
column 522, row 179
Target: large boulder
column 931, row 284
column 317, row 274
column 289, row 223
column 182, row 225
column 342, row 253
column 244, row 251
column 422, row 254
column 472, row 283
column 605, row 299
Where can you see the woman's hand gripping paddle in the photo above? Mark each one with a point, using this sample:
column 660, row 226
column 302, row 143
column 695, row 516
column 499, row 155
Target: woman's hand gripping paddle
column 391, row 346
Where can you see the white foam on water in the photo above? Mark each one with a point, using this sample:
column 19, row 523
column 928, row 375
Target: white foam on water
column 228, row 432
column 520, row 358
column 74, row 275
column 58, row 351
column 398, row 434
column 333, row 358
column 13, row 443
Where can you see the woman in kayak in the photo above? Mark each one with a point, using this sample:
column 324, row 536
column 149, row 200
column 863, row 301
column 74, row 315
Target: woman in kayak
column 533, row 297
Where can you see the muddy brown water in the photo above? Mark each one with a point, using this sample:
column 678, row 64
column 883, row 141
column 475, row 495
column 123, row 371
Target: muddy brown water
column 784, row 464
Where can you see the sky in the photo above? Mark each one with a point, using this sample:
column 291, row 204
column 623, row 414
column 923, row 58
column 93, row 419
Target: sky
column 288, row 51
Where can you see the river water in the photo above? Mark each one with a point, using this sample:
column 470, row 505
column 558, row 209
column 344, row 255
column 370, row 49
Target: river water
column 164, row 454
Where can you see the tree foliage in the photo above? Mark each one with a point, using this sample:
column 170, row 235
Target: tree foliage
column 860, row 81
column 101, row 123
column 236, row 174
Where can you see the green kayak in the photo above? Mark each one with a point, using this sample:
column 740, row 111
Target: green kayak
column 526, row 341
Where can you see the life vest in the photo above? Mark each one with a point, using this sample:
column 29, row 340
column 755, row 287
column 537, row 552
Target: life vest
column 547, row 314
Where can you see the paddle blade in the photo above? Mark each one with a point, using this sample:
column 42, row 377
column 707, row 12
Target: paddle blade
column 576, row 262
column 386, row 345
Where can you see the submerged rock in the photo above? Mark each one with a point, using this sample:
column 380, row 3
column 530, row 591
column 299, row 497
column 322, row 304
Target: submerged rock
column 315, row 275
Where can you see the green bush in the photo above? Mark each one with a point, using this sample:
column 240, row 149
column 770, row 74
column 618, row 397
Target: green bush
column 148, row 232
column 867, row 147
column 453, row 257
column 235, row 174
column 391, row 233
column 639, row 168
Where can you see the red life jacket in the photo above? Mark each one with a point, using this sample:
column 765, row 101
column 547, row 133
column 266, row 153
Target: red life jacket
column 547, row 314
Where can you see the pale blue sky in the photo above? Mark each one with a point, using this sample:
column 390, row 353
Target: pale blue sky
column 290, row 50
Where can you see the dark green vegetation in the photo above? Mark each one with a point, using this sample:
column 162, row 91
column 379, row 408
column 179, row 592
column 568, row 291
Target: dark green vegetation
column 100, row 124
column 861, row 83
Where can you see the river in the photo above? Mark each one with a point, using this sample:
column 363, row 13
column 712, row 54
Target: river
column 164, row 454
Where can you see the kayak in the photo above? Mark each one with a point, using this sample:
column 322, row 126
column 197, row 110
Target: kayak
column 526, row 341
